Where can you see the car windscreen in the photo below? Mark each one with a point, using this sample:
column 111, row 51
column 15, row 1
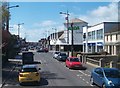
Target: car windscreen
column 74, row 60
column 29, row 70
column 112, row 73
column 57, row 52
column 63, row 54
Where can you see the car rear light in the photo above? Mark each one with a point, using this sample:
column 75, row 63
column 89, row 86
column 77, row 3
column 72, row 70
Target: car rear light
column 37, row 74
column 21, row 75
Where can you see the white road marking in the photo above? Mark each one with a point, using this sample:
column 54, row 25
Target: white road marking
column 84, row 73
column 88, row 71
column 83, row 79
column 87, row 82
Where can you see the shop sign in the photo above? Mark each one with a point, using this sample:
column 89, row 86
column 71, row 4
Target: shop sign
column 74, row 28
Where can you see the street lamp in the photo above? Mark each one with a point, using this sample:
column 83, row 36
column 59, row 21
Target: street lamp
column 13, row 6
column 66, row 18
column 72, row 42
column 7, row 26
column 19, row 29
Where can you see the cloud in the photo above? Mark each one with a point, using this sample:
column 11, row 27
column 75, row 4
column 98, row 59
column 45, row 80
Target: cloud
column 45, row 23
column 40, row 30
column 101, row 14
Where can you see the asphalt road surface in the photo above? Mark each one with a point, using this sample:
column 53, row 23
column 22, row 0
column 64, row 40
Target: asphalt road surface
column 53, row 74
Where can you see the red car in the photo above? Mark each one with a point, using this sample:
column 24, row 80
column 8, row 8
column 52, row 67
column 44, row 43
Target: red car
column 73, row 62
column 45, row 49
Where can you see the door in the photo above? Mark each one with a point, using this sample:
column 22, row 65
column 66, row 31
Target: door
column 98, row 76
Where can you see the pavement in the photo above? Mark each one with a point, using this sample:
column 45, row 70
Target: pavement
column 7, row 69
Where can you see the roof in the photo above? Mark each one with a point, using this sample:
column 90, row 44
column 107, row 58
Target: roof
column 29, row 66
column 107, row 68
column 76, row 20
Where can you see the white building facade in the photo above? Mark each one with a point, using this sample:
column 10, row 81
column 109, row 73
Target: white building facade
column 94, row 39
column 62, row 40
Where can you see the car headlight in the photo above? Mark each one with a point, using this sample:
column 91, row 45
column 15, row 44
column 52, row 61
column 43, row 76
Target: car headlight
column 110, row 83
column 60, row 57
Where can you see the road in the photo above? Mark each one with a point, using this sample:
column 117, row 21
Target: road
column 53, row 73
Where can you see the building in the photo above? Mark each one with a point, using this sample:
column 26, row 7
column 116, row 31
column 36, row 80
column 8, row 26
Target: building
column 112, row 41
column 62, row 40
column 94, row 38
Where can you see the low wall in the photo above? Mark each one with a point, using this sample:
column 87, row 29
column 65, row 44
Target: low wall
column 99, row 60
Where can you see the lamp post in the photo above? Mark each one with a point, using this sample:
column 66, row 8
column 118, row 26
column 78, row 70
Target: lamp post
column 19, row 29
column 67, row 18
column 7, row 26
column 55, row 37
column 72, row 41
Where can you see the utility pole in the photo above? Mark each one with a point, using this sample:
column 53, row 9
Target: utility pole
column 8, row 16
column 72, row 42
column 67, row 24
column 19, row 29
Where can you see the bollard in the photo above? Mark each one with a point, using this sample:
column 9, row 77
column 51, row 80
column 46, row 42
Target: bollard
column 101, row 62
column 112, row 64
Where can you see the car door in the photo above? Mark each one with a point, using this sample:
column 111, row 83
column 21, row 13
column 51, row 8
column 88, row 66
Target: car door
column 98, row 76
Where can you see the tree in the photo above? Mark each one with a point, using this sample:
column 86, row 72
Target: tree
column 5, row 14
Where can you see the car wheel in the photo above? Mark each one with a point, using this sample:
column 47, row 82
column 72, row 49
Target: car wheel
column 21, row 83
column 92, row 81
column 103, row 86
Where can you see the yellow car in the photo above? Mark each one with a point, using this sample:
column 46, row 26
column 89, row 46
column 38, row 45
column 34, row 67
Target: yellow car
column 29, row 73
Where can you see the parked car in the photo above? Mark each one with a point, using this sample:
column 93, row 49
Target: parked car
column 40, row 50
column 29, row 73
column 106, row 77
column 73, row 62
column 46, row 50
column 55, row 54
column 62, row 57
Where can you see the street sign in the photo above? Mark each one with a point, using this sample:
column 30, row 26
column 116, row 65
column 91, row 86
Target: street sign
column 74, row 28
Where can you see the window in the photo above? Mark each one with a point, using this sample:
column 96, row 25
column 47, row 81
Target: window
column 84, row 36
column 89, row 35
column 110, row 37
column 107, row 37
column 99, row 71
column 74, row 60
column 29, row 70
column 93, row 35
column 116, row 37
column 100, row 34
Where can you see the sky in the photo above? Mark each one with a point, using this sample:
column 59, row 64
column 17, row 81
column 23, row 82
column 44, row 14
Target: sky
column 42, row 18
